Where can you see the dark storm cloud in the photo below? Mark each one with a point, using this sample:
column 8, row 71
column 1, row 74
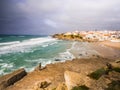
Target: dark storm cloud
column 12, row 19
column 51, row 16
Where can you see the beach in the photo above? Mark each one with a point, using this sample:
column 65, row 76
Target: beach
column 96, row 49
column 112, row 44
column 88, row 57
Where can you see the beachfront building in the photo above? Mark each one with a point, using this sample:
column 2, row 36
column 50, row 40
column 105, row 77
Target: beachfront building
column 68, row 33
column 95, row 35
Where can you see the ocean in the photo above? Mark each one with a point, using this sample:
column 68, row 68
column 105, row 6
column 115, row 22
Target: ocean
column 28, row 51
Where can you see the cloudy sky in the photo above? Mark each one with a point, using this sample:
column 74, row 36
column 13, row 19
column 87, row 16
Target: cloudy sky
column 53, row 16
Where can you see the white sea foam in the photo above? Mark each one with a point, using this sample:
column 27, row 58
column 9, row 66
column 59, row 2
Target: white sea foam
column 47, row 44
column 27, row 45
column 24, row 45
column 1, row 71
column 44, row 63
column 9, row 43
column 67, row 55
column 5, row 65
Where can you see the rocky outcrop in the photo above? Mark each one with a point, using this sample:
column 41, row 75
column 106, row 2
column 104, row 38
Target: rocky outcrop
column 73, row 79
column 10, row 79
column 61, row 86
column 68, row 37
column 71, row 75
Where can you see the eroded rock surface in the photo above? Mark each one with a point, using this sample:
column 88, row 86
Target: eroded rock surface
column 10, row 79
column 73, row 79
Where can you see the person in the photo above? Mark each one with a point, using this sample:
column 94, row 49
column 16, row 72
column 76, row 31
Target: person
column 108, row 68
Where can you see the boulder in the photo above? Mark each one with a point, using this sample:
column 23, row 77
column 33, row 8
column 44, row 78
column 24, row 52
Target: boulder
column 44, row 84
column 73, row 79
column 114, row 75
column 117, row 61
column 10, row 79
column 61, row 86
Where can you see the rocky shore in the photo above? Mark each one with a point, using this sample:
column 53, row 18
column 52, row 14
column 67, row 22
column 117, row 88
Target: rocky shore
column 88, row 74
column 96, row 67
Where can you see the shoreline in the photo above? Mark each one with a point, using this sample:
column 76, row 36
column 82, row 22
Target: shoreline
column 112, row 44
column 54, row 72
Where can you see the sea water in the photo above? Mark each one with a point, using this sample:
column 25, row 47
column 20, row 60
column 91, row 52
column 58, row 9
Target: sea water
column 28, row 51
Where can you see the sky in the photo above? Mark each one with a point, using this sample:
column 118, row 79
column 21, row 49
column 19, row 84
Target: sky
column 38, row 17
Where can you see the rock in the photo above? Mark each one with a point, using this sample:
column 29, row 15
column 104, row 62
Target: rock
column 73, row 79
column 114, row 75
column 100, row 84
column 61, row 86
column 44, row 84
column 114, row 85
column 117, row 61
column 57, row 60
column 10, row 79
column 105, row 82
column 115, row 64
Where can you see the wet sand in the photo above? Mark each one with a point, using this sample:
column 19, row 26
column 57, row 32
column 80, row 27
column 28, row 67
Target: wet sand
column 96, row 49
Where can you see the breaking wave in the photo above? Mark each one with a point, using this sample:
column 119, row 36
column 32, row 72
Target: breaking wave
column 24, row 45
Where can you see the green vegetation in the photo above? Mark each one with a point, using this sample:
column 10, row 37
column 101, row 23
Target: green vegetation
column 114, row 85
column 97, row 74
column 116, row 69
column 68, row 37
column 80, row 88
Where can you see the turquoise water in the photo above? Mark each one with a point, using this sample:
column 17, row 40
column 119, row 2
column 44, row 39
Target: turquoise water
column 28, row 51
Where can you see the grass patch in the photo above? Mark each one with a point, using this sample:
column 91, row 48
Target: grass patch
column 97, row 74
column 80, row 88
column 114, row 85
column 116, row 69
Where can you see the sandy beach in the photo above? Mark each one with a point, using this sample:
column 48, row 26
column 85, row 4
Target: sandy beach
column 96, row 49
column 112, row 44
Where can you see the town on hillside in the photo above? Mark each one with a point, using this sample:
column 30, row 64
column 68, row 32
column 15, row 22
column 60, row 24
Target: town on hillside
column 105, row 35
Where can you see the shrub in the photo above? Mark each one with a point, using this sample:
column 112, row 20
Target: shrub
column 83, row 87
column 97, row 74
column 114, row 85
